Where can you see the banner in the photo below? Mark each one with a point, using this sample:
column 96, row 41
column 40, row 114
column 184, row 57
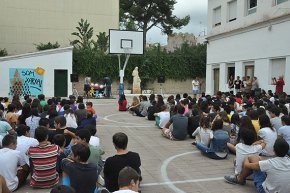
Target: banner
column 26, row 81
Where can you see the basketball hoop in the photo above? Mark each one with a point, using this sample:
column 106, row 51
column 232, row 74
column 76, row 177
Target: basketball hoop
column 125, row 42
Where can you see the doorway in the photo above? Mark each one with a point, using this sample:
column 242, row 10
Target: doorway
column 60, row 83
column 231, row 72
column 249, row 71
column 216, row 80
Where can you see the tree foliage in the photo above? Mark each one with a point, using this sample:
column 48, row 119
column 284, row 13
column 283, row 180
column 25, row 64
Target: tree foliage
column 3, row 52
column 84, row 35
column 144, row 14
column 183, row 63
column 47, row 46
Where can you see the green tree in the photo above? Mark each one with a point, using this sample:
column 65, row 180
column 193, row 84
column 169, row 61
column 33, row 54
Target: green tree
column 47, row 46
column 148, row 13
column 3, row 52
column 84, row 34
column 102, row 42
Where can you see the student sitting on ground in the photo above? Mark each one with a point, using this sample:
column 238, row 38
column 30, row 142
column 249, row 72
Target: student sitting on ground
column 218, row 147
column 24, row 142
column 162, row 117
column 142, row 110
column 82, row 174
column 10, row 160
column 94, row 140
column 128, row 181
column 176, row 128
column 203, row 134
column 284, row 131
column 249, row 147
column 89, row 120
column 271, row 175
column 91, row 108
column 116, row 163
column 43, row 158
column 122, row 103
column 59, row 140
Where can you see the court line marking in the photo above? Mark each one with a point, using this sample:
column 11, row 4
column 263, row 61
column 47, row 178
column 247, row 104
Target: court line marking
column 170, row 183
column 107, row 119
column 183, row 182
column 125, row 126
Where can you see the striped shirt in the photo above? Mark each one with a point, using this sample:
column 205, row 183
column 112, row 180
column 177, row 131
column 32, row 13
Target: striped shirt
column 44, row 160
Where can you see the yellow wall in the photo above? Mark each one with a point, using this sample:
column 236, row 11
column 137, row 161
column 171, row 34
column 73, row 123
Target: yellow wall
column 29, row 22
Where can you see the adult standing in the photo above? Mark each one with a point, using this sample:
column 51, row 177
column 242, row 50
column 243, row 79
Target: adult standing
column 231, row 83
column 238, row 84
column 195, row 86
column 279, row 84
column 255, row 86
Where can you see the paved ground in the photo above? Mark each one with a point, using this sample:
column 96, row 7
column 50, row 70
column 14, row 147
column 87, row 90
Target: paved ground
column 167, row 166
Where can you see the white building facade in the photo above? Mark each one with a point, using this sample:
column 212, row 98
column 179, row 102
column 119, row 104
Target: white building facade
column 46, row 72
column 248, row 38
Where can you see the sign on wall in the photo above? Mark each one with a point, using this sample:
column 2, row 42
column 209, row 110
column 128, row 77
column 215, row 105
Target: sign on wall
column 26, row 81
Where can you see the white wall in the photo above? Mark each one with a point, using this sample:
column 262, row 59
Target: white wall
column 266, row 10
column 261, row 46
column 48, row 60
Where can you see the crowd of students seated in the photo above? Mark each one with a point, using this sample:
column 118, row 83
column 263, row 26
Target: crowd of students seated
column 55, row 142
column 56, row 139
column 253, row 126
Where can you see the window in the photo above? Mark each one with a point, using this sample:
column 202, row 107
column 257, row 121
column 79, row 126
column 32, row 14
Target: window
column 252, row 6
column 232, row 5
column 277, row 2
column 277, row 67
column 217, row 16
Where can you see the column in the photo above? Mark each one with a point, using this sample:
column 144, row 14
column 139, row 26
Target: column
column 223, row 77
column 209, row 78
column 287, row 77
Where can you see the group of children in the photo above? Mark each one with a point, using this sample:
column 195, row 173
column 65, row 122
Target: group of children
column 253, row 126
column 55, row 142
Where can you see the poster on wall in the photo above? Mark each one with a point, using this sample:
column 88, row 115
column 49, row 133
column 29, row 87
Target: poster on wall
column 26, row 81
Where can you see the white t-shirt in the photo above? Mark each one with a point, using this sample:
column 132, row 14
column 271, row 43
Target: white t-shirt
column 285, row 133
column 33, row 123
column 278, row 172
column 9, row 162
column 243, row 151
column 203, row 135
column 269, row 136
column 23, row 144
column 125, row 191
column 71, row 120
column 164, row 118
column 94, row 141
column 195, row 85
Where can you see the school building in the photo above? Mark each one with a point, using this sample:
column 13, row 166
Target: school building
column 248, row 38
column 26, row 23
column 46, row 72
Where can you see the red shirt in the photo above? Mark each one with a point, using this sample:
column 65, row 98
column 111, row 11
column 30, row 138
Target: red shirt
column 279, row 86
column 122, row 105
column 92, row 110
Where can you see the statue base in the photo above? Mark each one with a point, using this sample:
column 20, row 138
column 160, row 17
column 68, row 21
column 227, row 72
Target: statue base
column 136, row 91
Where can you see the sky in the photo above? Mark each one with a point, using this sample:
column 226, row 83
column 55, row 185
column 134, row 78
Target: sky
column 197, row 9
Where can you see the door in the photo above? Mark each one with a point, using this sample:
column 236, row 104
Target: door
column 60, row 83
column 249, row 71
column 216, row 80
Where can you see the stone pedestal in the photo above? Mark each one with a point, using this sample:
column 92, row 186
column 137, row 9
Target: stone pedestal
column 136, row 90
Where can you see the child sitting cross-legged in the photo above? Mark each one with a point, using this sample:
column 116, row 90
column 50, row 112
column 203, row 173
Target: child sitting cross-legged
column 82, row 175
column 203, row 133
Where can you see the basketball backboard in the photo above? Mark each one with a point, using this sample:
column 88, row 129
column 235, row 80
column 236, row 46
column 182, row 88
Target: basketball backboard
column 126, row 42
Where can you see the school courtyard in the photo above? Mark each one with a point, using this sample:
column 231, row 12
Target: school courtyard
column 167, row 166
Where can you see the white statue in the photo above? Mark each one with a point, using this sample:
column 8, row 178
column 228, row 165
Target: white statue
column 136, row 78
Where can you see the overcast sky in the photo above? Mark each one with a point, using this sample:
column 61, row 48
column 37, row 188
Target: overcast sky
column 197, row 9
